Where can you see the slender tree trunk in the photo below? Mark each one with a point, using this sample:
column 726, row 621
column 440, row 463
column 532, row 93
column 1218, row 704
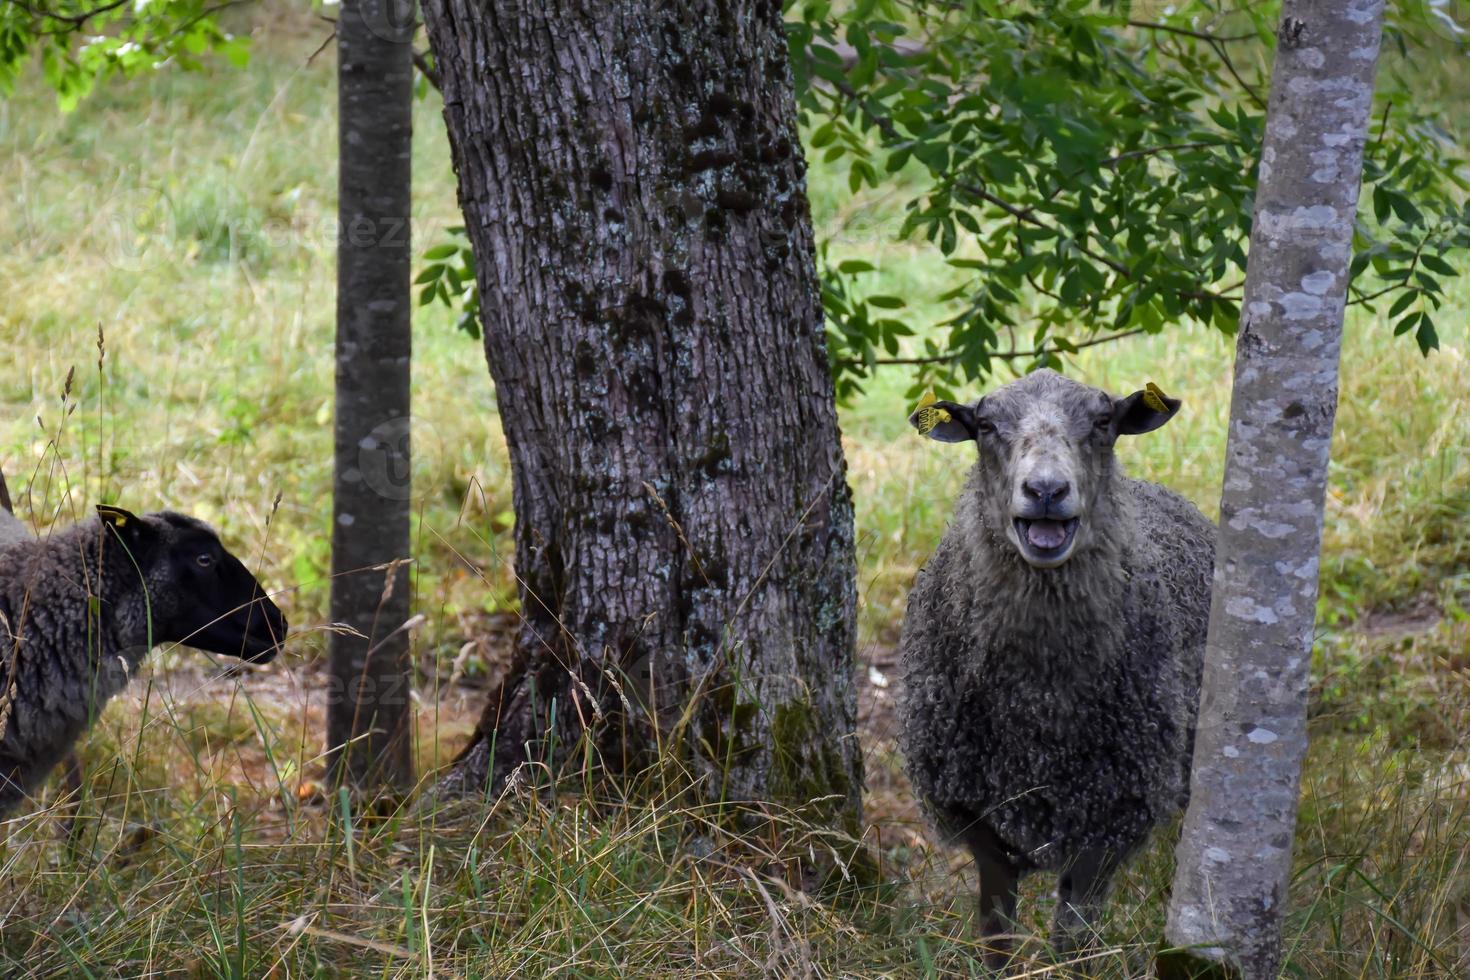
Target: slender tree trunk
column 634, row 191
column 1230, row 887
column 368, row 710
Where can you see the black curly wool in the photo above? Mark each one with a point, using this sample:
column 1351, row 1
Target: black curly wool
column 61, row 656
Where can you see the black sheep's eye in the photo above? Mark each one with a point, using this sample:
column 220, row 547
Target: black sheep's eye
column 204, row 561
column 1103, row 423
column 985, row 426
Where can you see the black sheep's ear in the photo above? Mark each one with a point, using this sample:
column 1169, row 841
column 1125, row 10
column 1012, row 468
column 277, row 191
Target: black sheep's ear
column 943, row 421
column 1144, row 411
column 126, row 525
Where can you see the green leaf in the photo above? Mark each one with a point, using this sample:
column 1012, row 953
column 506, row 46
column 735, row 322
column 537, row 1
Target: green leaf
column 1381, row 206
column 1436, row 264
column 1405, row 300
column 1058, row 111
column 1426, row 336
column 1405, row 209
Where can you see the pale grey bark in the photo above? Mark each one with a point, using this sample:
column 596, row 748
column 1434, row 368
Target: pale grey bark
column 633, row 185
column 1234, row 860
column 368, row 707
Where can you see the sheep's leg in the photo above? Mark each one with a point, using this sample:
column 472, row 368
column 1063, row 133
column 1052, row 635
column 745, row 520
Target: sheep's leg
column 11, row 796
column 71, row 798
column 12, row 793
column 998, row 881
column 1081, row 889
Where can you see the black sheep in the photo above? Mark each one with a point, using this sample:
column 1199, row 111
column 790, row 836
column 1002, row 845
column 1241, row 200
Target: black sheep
column 81, row 608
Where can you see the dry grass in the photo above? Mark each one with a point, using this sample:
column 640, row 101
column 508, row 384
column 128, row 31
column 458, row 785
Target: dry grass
column 190, row 217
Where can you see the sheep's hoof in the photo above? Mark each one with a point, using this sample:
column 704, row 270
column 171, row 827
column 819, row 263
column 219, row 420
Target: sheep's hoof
column 998, row 953
column 996, row 961
column 1072, row 942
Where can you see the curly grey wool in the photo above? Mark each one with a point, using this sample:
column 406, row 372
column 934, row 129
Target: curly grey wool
column 1053, row 645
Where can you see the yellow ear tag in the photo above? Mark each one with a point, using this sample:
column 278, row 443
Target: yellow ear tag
column 926, row 417
column 1153, row 397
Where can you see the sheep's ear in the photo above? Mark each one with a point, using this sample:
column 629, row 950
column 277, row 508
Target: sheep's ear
column 1144, row 411
column 126, row 525
column 943, row 421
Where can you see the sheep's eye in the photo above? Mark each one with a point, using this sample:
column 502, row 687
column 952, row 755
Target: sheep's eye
column 985, row 426
column 1103, row 423
column 204, row 561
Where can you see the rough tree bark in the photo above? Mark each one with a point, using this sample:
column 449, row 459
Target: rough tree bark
column 634, row 191
column 368, row 707
column 1234, row 861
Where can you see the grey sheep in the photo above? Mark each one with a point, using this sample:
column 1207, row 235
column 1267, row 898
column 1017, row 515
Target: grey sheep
column 80, row 609
column 1052, row 648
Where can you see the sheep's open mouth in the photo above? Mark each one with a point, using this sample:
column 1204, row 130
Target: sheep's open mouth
column 1046, row 542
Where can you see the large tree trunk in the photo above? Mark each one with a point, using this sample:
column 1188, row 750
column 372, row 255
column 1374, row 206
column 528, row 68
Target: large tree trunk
column 368, row 707
column 634, row 191
column 1235, row 856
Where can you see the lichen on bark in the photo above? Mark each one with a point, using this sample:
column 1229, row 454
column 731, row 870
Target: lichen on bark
column 636, row 201
column 1234, row 858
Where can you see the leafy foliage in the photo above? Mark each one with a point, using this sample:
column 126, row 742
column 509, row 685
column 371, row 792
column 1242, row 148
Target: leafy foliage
column 81, row 42
column 1088, row 172
column 449, row 276
column 1092, row 174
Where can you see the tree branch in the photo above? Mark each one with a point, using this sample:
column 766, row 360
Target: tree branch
column 75, row 20
column 430, row 73
column 1149, row 151
column 325, row 41
column 1113, row 161
column 207, row 12
column 1393, row 286
column 1230, row 67
column 1006, row 355
column 1024, row 214
column 1217, row 43
column 1186, row 32
column 888, row 129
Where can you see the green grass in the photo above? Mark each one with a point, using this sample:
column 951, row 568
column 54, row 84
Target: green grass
column 189, row 217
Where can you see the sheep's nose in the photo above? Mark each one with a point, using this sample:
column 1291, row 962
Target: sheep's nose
column 1046, row 490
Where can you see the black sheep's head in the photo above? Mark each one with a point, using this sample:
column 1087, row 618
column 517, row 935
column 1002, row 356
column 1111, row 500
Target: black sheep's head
column 198, row 594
